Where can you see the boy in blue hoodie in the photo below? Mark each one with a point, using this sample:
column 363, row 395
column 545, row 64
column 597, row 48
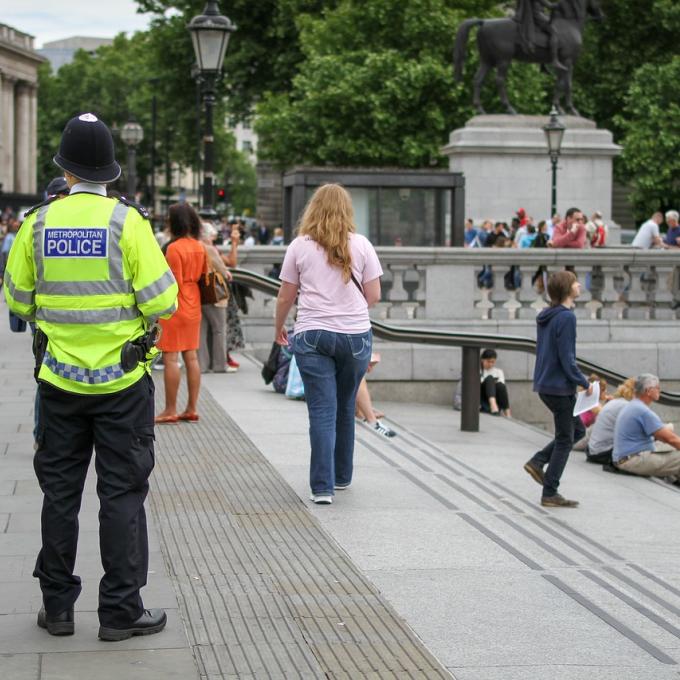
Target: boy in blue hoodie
column 556, row 377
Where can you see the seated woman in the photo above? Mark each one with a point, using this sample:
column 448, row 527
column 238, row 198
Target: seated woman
column 494, row 393
column 364, row 406
column 601, row 441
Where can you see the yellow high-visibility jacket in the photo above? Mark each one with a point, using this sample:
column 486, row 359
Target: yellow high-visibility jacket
column 88, row 270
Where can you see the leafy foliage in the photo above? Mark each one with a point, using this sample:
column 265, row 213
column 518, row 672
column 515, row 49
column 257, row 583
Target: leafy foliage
column 651, row 131
column 376, row 86
column 366, row 82
column 121, row 80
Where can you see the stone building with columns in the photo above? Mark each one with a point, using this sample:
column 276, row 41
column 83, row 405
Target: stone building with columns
column 19, row 64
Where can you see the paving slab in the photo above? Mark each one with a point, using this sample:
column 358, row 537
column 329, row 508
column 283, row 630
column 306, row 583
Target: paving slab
column 20, row 666
column 448, row 527
column 173, row 664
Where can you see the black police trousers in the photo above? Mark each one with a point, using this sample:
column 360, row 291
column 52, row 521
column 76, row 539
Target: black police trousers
column 120, row 427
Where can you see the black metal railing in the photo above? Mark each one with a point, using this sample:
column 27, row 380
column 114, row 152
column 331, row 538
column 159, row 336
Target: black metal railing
column 470, row 343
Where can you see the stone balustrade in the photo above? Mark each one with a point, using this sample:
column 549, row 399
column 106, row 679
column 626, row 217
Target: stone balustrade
column 446, row 284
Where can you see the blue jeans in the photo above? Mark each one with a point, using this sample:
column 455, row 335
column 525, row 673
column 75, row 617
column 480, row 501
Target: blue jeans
column 331, row 366
column 568, row 429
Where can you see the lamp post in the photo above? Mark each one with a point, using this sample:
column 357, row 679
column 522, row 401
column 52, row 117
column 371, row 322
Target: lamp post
column 554, row 133
column 210, row 34
column 131, row 134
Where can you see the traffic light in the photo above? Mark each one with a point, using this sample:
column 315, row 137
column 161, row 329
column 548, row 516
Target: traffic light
column 221, row 194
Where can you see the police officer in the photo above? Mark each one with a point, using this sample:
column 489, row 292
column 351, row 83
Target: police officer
column 88, row 270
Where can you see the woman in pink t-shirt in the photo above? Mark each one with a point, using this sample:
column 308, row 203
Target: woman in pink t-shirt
column 337, row 275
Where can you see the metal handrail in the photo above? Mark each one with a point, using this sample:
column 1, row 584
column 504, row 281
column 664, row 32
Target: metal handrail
column 474, row 341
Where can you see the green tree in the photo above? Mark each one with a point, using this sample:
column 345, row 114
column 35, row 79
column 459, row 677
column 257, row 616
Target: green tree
column 376, row 86
column 264, row 51
column 238, row 177
column 651, row 137
column 120, row 80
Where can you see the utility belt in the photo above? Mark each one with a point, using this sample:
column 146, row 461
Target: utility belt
column 141, row 350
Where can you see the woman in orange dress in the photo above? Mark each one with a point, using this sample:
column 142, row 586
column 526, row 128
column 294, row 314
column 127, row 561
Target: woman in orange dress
column 181, row 332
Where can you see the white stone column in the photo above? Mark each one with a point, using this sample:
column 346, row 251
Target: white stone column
column 23, row 147
column 7, row 155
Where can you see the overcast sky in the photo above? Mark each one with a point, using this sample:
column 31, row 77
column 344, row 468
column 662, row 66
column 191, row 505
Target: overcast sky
column 53, row 20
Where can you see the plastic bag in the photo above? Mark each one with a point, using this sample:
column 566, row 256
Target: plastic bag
column 294, row 387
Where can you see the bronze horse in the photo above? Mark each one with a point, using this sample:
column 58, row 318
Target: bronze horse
column 498, row 41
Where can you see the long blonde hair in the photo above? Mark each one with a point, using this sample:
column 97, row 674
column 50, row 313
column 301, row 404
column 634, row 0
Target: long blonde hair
column 328, row 219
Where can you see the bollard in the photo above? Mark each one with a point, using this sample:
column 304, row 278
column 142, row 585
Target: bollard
column 469, row 417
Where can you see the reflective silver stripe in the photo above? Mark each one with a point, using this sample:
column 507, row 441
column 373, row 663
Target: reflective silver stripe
column 158, row 315
column 115, row 233
column 26, row 297
column 156, row 288
column 78, row 288
column 91, row 376
column 38, row 231
column 110, row 315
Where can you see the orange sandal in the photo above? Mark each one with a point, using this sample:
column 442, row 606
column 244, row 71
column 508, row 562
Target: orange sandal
column 165, row 420
column 190, row 417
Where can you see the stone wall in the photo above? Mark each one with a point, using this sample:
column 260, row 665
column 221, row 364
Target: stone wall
column 627, row 321
column 18, row 111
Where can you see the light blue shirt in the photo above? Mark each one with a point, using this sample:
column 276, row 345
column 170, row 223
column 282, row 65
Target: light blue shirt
column 634, row 430
column 7, row 242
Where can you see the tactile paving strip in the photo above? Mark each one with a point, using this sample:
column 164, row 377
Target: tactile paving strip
column 264, row 591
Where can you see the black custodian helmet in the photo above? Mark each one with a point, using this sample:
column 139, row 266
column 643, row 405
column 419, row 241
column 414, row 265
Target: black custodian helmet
column 86, row 150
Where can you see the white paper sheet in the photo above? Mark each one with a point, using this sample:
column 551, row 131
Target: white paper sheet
column 584, row 402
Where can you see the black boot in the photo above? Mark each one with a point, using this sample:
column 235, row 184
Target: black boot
column 62, row 624
column 151, row 621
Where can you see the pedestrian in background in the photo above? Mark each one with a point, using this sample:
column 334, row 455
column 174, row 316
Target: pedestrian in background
column 648, row 234
column 92, row 348
column 187, row 259
column 337, row 274
column 571, row 233
column 212, row 352
column 234, row 330
column 556, row 377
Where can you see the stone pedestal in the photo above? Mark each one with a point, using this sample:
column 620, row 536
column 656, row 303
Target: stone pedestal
column 506, row 166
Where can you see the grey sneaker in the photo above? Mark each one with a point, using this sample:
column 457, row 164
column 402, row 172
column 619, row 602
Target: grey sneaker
column 383, row 429
column 535, row 471
column 558, row 501
column 321, row 498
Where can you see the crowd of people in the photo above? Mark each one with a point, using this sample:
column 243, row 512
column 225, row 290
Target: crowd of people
column 574, row 231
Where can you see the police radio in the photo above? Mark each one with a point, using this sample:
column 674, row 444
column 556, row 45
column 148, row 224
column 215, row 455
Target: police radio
column 136, row 351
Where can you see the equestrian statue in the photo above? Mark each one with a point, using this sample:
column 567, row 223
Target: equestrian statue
column 553, row 41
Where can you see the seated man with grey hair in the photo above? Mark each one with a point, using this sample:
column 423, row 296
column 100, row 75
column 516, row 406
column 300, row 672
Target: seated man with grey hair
column 637, row 426
column 672, row 239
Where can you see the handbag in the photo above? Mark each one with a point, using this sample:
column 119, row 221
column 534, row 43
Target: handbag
column 270, row 366
column 212, row 286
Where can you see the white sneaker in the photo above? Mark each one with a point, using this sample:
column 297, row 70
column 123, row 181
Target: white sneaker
column 383, row 429
column 341, row 487
column 321, row 498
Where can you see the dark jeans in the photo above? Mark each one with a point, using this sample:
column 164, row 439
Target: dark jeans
column 331, row 366
column 568, row 429
column 120, row 427
column 492, row 389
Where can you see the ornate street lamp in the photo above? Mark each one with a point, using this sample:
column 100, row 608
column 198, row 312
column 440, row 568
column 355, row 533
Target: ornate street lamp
column 131, row 134
column 554, row 133
column 210, row 33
